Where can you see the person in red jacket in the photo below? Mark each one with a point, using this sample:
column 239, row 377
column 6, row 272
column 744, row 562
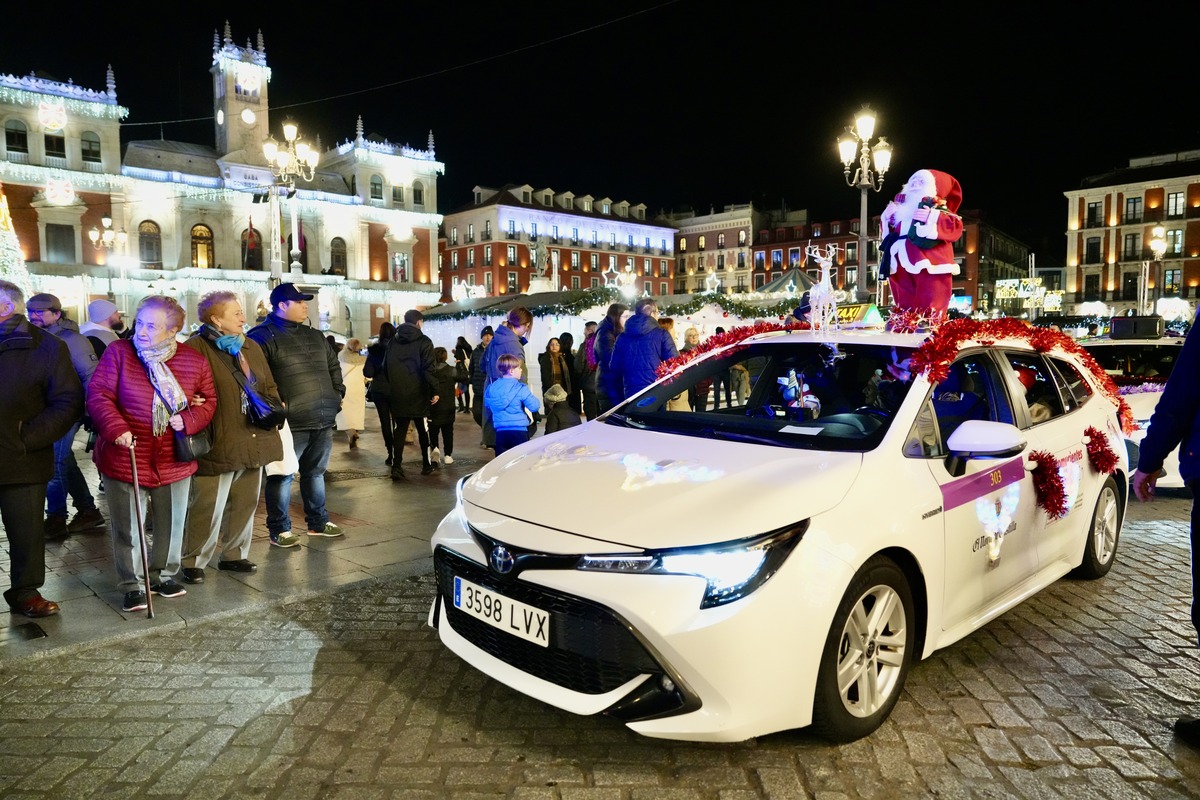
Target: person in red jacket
column 143, row 390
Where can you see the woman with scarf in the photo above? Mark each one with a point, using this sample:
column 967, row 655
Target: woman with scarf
column 352, row 417
column 144, row 389
column 225, row 488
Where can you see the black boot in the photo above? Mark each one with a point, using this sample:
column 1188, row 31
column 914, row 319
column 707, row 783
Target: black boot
column 388, row 460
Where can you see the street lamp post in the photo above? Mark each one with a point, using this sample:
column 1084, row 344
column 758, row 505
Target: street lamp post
column 110, row 239
column 293, row 159
column 1158, row 247
column 857, row 141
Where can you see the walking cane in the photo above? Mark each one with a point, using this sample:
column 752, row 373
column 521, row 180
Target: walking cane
column 137, row 510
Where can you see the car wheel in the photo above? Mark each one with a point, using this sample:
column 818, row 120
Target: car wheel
column 1103, row 534
column 867, row 653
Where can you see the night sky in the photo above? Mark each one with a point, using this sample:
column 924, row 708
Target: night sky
column 674, row 103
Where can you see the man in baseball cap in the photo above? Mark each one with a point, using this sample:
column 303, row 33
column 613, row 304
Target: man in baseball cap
column 287, row 293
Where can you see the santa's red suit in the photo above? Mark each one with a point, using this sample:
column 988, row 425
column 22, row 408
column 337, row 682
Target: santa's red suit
column 917, row 256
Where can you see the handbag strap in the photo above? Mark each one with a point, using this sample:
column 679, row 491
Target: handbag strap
column 238, row 375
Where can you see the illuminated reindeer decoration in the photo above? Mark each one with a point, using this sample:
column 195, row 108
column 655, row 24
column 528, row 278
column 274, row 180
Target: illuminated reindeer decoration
column 822, row 297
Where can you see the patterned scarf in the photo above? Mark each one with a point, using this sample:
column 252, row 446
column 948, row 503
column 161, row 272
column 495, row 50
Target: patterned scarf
column 166, row 388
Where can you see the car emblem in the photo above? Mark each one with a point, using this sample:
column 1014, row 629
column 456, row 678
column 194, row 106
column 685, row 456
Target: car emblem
column 501, row 561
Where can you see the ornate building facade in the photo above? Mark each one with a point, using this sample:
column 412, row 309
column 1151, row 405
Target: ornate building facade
column 1111, row 223
column 507, row 238
column 184, row 218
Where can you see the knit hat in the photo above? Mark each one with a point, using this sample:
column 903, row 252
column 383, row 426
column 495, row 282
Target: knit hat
column 100, row 310
column 555, row 394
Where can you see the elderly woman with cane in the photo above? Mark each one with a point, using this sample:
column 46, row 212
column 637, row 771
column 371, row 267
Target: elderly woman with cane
column 146, row 390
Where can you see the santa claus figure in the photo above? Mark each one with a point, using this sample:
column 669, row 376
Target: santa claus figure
column 917, row 255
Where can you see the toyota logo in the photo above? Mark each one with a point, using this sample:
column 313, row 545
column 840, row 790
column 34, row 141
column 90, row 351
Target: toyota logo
column 501, row 561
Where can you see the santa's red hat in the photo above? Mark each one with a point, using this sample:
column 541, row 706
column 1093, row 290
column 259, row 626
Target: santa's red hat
column 947, row 189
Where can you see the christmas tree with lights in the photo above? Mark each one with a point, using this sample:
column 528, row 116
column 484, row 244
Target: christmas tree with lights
column 12, row 263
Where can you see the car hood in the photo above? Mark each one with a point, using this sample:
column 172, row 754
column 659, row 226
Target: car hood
column 649, row 490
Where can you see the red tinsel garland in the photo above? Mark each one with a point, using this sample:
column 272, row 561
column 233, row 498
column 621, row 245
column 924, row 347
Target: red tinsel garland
column 1100, row 453
column 730, row 336
column 936, row 354
column 1048, row 484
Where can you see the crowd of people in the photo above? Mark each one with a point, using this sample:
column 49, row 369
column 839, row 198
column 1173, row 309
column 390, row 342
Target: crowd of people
column 150, row 397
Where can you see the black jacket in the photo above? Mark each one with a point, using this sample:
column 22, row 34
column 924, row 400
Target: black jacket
column 376, row 370
column 305, row 369
column 409, row 364
column 477, row 371
column 40, row 398
column 442, row 412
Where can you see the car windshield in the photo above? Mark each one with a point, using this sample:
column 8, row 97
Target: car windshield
column 1130, row 362
column 801, row 394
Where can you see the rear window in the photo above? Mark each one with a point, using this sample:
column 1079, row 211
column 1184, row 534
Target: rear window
column 1135, row 363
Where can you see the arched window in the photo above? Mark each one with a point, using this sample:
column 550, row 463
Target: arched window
column 90, row 143
column 16, row 136
column 720, row 240
column 418, row 193
column 149, row 244
column 376, row 187
column 337, row 256
column 252, row 250
column 700, row 243
column 303, row 250
column 202, row 247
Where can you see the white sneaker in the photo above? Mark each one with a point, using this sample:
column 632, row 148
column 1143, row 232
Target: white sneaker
column 448, row 459
column 435, row 456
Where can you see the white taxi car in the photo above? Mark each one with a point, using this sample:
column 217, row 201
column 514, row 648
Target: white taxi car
column 1140, row 367
column 719, row 575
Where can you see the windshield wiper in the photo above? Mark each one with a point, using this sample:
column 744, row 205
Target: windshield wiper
column 623, row 419
column 743, row 437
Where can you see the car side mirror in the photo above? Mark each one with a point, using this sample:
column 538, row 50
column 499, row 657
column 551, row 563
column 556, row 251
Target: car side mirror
column 982, row 439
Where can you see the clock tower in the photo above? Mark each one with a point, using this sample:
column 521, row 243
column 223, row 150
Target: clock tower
column 240, row 78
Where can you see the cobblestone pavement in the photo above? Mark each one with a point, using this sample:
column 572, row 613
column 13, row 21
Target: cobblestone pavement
column 349, row 694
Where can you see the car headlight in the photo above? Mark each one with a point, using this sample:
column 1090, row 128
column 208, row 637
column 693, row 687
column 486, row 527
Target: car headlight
column 733, row 569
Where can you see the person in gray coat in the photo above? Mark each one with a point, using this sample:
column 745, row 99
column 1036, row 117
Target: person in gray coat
column 45, row 311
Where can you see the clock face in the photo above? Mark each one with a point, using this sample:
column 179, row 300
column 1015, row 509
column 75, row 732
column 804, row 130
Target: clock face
column 248, row 116
column 249, row 80
column 53, row 116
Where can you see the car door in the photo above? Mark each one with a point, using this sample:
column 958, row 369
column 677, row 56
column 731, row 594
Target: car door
column 988, row 513
column 1054, row 414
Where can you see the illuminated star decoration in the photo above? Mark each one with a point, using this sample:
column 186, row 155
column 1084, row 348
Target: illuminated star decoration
column 611, row 277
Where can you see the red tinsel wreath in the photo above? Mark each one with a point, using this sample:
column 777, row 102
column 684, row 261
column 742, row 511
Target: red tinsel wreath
column 1100, row 453
column 730, row 336
column 1048, row 484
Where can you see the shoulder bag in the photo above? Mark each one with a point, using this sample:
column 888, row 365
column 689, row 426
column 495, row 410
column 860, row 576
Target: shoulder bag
column 188, row 446
column 262, row 411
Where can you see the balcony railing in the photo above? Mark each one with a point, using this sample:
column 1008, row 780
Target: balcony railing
column 470, row 239
column 512, row 236
column 1131, row 219
column 1093, row 223
column 486, row 236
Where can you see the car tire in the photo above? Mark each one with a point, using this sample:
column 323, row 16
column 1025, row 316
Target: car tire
column 867, row 653
column 1103, row 534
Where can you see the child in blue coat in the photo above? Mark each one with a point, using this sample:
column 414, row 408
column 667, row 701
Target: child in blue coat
column 511, row 403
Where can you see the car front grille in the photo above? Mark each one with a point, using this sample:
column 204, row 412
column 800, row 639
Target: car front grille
column 591, row 651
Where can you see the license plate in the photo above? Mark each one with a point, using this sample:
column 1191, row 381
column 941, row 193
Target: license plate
column 512, row 616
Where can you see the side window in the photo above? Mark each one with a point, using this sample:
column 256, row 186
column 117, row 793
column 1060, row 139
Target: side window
column 1071, row 383
column 964, row 394
column 923, row 440
column 1036, row 387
